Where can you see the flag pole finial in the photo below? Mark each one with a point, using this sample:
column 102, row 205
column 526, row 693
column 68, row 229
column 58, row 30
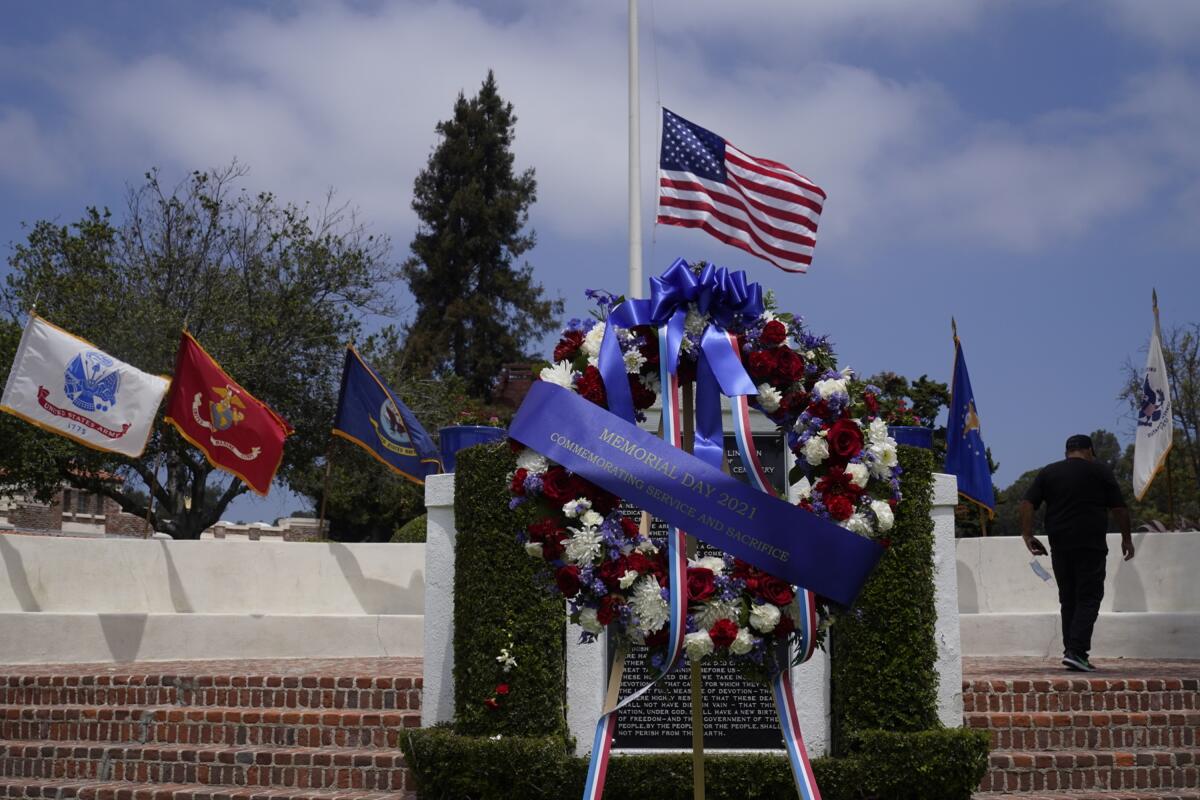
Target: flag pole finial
column 1154, row 303
column 954, row 328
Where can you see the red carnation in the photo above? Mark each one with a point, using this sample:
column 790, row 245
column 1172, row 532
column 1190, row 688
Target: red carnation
column 502, row 689
column 568, row 346
column 845, row 439
column 591, row 387
column 840, row 507
column 723, row 632
column 700, row 584
column 518, row 481
column 871, row 402
column 557, row 486
column 629, row 527
column 773, row 333
column 776, row 591
column 761, row 365
column 609, row 608
column 643, row 398
column 793, row 403
column 567, row 579
column 789, row 367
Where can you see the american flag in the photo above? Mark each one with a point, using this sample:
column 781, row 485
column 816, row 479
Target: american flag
column 761, row 206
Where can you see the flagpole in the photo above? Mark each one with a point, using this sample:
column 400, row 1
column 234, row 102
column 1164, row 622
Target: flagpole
column 150, row 493
column 635, row 197
column 1170, row 493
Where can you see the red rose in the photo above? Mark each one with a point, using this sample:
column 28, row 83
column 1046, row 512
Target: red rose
column 518, row 482
column 502, row 689
column 776, row 591
column 556, row 485
column 785, row 626
column 568, row 346
column 629, row 527
column 567, row 579
column 845, row 439
column 657, row 639
column 579, row 486
column 609, row 608
column 723, row 632
column 761, row 365
column 643, row 398
column 840, row 507
column 700, row 584
column 610, row 572
column 591, row 387
column 789, row 367
column 552, row 546
column 793, row 403
column 773, row 333
column 818, row 409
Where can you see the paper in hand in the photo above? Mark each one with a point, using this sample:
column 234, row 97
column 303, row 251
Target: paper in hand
column 1039, row 570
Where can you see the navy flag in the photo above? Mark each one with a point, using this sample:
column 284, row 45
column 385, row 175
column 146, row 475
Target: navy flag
column 966, row 456
column 370, row 415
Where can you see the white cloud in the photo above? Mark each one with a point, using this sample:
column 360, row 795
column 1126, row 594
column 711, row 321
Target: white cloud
column 26, row 157
column 1170, row 24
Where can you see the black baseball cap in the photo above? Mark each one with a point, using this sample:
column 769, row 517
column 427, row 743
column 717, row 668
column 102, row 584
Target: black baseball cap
column 1079, row 442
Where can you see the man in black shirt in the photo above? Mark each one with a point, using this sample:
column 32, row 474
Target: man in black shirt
column 1078, row 493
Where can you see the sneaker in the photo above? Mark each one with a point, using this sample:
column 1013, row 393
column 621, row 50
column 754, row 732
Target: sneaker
column 1077, row 663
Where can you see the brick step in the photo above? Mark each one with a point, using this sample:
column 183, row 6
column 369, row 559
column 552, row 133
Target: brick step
column 1081, row 694
column 1095, row 730
column 247, row 691
column 1147, row 794
column 1027, row 771
column 307, row 768
column 108, row 790
column 215, row 725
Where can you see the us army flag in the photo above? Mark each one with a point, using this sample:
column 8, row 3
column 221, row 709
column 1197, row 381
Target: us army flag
column 66, row 385
column 1154, row 425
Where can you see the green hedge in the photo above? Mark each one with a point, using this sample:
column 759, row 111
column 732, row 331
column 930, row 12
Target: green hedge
column 928, row 765
column 411, row 532
column 884, row 650
column 498, row 602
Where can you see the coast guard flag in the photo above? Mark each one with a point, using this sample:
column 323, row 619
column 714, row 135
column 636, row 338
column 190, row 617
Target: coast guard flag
column 370, row 415
column 66, row 385
column 966, row 455
column 1154, row 425
column 236, row 432
column 761, row 206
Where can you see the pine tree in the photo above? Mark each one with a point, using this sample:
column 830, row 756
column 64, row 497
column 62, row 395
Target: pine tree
column 476, row 309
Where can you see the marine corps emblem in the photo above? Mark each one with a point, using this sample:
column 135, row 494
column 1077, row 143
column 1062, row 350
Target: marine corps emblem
column 226, row 411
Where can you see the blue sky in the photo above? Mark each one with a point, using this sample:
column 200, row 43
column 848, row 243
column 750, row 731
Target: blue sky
column 1031, row 168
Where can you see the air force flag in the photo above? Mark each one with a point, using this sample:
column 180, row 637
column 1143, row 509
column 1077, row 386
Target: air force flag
column 966, row 456
column 370, row 415
column 66, row 385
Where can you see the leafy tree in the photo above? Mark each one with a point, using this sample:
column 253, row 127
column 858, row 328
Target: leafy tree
column 475, row 310
column 272, row 291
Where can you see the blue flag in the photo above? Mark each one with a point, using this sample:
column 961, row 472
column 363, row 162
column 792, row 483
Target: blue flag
column 966, row 456
column 370, row 415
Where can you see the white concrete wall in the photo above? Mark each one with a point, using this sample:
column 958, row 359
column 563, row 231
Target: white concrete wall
column 81, row 600
column 1151, row 605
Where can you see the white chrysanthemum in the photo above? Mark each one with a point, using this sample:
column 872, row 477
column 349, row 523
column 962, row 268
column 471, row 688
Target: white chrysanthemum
column 714, row 610
column 714, row 563
column 802, row 489
column 698, row 645
column 648, row 605
column 652, row 383
column 768, row 398
column 591, row 519
column 583, row 546
column 877, row 432
column 576, row 507
column 859, row 474
column 647, row 546
column 884, row 458
column 589, row 622
column 627, row 579
column 532, row 461
column 634, row 361
column 591, row 343
column 767, row 316
column 830, row 388
column 858, row 523
column 883, row 513
column 695, row 322
column 816, row 450
column 764, row 617
column 743, row 644
column 534, row 549
column 560, row 374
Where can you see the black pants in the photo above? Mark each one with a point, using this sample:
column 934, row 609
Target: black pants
column 1080, row 577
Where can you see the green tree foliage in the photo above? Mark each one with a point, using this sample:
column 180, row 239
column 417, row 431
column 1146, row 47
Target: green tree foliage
column 476, row 309
column 272, row 291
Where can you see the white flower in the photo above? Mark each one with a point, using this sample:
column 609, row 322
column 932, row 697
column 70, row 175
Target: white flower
column 573, row 508
column 802, row 489
column 634, row 361
column 767, row 316
column 878, row 432
column 830, row 387
column 883, row 513
column 768, row 398
column 884, row 458
column 651, row 382
column 648, row 604
column 647, row 546
column 743, row 644
column 764, row 617
column 695, row 322
column 714, row 610
column 583, row 546
column 859, row 474
column 532, row 461
column 627, row 579
column 816, row 450
column 588, row 621
column 591, row 343
column 506, row 660
column 534, row 549
column 714, row 563
column 858, row 523
column 591, row 519
column 560, row 374
column 698, row 645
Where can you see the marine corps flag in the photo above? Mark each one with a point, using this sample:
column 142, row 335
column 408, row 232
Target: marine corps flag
column 235, row 431
column 370, row 415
